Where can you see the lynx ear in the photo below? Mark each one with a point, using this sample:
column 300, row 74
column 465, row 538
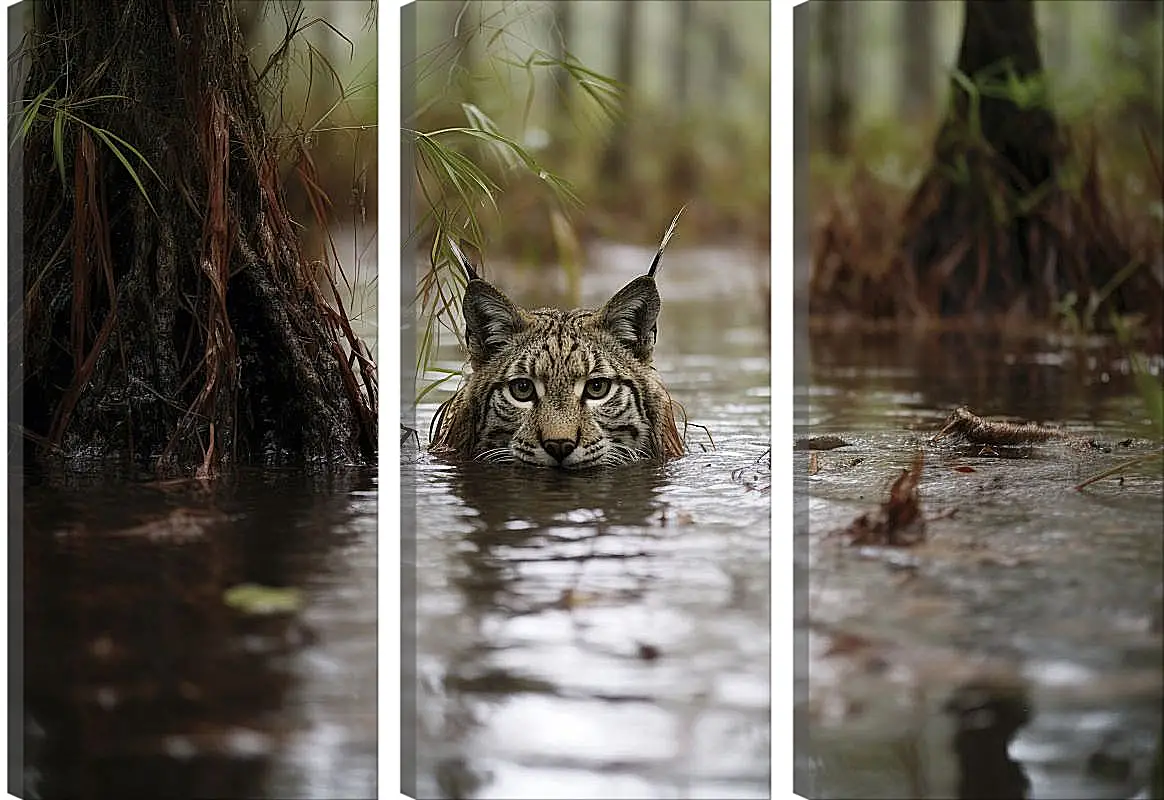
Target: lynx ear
column 491, row 320
column 631, row 315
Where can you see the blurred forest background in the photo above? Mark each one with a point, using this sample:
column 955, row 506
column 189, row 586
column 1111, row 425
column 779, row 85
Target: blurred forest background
column 880, row 73
column 637, row 107
column 879, row 88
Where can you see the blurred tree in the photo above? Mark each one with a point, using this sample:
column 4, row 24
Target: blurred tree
column 681, row 55
column 683, row 173
column 1138, row 23
column 169, row 317
column 837, row 83
column 727, row 61
column 991, row 228
column 917, row 58
column 616, row 157
column 561, row 36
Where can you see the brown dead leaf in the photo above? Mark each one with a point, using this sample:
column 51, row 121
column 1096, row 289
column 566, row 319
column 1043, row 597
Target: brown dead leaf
column 898, row 521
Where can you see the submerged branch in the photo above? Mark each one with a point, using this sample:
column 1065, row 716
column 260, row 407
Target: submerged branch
column 970, row 427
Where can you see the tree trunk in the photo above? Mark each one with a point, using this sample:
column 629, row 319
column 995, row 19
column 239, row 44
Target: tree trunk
column 562, row 35
column 990, row 229
column 616, row 158
column 997, row 32
column 683, row 176
column 917, row 59
column 835, row 56
column 174, row 322
column 681, row 55
column 726, row 62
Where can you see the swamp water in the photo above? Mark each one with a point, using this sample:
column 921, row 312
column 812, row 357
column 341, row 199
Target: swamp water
column 1020, row 644
column 145, row 675
column 605, row 635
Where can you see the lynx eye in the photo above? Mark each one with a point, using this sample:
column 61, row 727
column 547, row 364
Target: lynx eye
column 596, row 388
column 522, row 389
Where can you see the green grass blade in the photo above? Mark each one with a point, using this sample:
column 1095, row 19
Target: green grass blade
column 29, row 115
column 59, row 144
column 435, row 384
column 105, row 137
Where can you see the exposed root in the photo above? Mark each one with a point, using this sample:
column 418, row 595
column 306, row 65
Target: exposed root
column 966, row 426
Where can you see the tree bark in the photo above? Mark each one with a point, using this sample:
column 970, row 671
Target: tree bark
column 174, row 325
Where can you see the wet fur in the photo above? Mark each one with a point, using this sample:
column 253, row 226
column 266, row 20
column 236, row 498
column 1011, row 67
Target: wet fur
column 560, row 350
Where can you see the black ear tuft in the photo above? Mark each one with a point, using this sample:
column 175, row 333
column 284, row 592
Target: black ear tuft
column 491, row 320
column 631, row 315
column 468, row 256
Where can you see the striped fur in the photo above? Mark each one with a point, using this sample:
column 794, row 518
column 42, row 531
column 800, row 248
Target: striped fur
column 567, row 389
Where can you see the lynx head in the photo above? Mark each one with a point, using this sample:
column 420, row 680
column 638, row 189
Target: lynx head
column 571, row 389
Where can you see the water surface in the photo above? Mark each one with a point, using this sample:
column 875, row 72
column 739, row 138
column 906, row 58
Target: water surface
column 1021, row 642
column 607, row 634
column 142, row 680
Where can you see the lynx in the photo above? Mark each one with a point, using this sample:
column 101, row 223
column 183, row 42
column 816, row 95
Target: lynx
column 569, row 390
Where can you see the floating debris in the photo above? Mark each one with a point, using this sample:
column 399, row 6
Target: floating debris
column 818, row 463
column 758, row 475
column 256, row 600
column 820, row 443
column 967, row 426
column 897, row 522
column 648, row 652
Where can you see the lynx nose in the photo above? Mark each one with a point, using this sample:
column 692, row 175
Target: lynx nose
column 558, row 448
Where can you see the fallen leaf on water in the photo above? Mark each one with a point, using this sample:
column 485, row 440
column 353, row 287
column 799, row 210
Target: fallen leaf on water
column 256, row 600
column 965, row 469
column 898, row 521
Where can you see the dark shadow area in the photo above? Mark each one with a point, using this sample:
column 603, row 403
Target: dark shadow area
column 144, row 676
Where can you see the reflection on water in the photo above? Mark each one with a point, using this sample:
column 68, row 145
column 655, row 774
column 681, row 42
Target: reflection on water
column 141, row 681
column 1021, row 643
column 606, row 634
